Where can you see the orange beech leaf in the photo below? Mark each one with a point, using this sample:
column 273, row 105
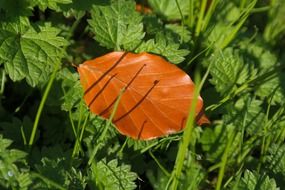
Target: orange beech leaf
column 143, row 9
column 157, row 95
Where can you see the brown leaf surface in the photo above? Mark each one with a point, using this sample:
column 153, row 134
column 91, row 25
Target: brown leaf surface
column 157, row 98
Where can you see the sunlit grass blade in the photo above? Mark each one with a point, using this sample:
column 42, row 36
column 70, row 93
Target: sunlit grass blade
column 108, row 124
column 42, row 103
column 185, row 141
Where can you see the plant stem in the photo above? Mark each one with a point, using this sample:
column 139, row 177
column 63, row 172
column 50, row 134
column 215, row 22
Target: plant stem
column 159, row 164
column 209, row 14
column 224, row 161
column 42, row 103
column 200, row 18
column 3, row 80
column 182, row 19
column 183, row 147
column 50, row 182
column 109, row 122
column 191, row 14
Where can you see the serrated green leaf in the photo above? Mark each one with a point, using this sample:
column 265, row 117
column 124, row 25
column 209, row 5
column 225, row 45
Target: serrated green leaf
column 265, row 60
column 214, row 141
column 29, row 52
column 152, row 24
column 117, row 26
column 78, row 9
column 51, row 4
column 263, row 55
column 228, row 69
column 273, row 88
column 110, row 175
column 10, row 174
column 52, row 171
column 168, row 8
column 181, row 32
column 276, row 159
column 246, row 113
column 72, row 88
column 164, row 46
column 254, row 181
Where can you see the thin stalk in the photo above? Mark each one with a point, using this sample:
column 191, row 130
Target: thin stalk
column 191, row 14
column 183, row 146
column 50, row 182
column 209, row 14
column 242, row 19
column 185, row 141
column 79, row 138
column 242, row 4
column 159, row 164
column 3, row 80
column 42, row 103
column 72, row 124
column 109, row 122
column 252, row 82
column 83, row 128
column 23, row 135
column 224, row 161
column 122, row 147
column 200, row 18
column 243, row 130
column 260, row 9
column 265, row 129
column 197, row 55
column 182, row 23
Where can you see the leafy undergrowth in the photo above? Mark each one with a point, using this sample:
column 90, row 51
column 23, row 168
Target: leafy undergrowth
column 50, row 140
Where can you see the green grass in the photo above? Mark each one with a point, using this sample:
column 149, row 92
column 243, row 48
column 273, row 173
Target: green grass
column 233, row 50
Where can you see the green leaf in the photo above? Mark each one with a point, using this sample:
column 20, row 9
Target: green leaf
column 228, row 70
column 54, row 170
column 117, row 26
column 275, row 27
column 110, row 175
column 273, row 88
column 10, row 174
column 168, row 8
column 152, row 24
column 164, row 45
column 78, row 9
column 68, row 89
column 247, row 113
column 10, row 9
column 276, row 159
column 30, row 52
column 193, row 175
column 214, row 141
column 157, row 178
column 181, row 33
column 51, row 4
column 228, row 12
column 17, row 130
column 265, row 60
column 254, row 181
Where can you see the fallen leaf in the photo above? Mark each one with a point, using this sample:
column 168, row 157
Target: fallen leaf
column 157, row 95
